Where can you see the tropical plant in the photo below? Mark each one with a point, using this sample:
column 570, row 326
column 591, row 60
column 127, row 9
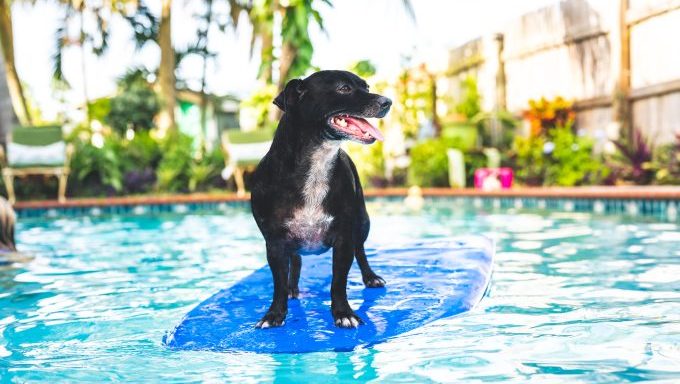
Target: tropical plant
column 633, row 160
column 20, row 106
column 180, row 171
column 666, row 162
column 363, row 68
column 544, row 114
column 96, row 169
column 135, row 106
column 470, row 104
column 558, row 158
column 259, row 104
column 296, row 45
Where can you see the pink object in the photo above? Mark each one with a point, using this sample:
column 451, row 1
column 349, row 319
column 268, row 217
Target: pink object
column 493, row 178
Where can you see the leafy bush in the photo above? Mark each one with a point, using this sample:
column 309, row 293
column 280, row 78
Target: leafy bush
column 140, row 159
column 667, row 163
column 136, row 105
column 544, row 114
column 430, row 163
column 370, row 163
column 633, row 160
column 560, row 158
column 470, row 104
column 174, row 169
column 180, row 171
column 96, row 170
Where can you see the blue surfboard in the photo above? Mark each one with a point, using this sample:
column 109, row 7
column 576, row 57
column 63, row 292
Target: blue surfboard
column 426, row 281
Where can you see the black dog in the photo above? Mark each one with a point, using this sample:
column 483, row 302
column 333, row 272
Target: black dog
column 306, row 195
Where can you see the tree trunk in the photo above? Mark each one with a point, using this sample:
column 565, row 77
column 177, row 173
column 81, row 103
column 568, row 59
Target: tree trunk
column 7, row 49
column 166, row 70
column 7, row 117
column 288, row 55
column 267, row 56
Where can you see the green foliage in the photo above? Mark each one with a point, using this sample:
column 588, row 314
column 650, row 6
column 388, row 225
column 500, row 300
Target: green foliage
column 363, row 68
column 413, row 101
column 466, row 134
column 470, row 104
column 100, row 109
column 96, row 169
column 136, row 105
column 529, row 161
column 430, row 163
column 666, row 163
column 180, row 171
column 295, row 33
column 260, row 102
column 141, row 152
column 370, row 163
column 174, row 169
column 560, row 158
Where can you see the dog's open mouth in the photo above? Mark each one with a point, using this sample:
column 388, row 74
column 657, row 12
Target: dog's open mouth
column 356, row 128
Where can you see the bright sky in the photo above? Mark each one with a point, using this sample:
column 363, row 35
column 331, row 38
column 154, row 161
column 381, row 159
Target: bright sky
column 378, row 30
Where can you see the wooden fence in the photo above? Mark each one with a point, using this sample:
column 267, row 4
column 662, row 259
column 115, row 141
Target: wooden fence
column 619, row 60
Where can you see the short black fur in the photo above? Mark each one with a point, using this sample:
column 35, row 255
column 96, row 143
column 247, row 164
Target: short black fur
column 290, row 201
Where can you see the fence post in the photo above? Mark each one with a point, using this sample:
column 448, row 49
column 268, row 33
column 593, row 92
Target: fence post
column 621, row 101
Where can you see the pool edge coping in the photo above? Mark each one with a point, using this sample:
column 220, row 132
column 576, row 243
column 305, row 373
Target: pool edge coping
column 590, row 193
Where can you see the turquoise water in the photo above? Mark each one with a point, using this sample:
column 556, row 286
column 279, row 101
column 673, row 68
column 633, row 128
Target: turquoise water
column 574, row 298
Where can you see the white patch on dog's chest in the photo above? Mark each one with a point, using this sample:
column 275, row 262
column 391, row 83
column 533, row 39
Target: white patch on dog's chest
column 310, row 222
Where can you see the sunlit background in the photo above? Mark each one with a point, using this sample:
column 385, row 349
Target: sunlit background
column 487, row 94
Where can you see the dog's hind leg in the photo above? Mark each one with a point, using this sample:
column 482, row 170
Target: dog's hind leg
column 294, row 278
column 361, row 228
column 371, row 280
column 278, row 257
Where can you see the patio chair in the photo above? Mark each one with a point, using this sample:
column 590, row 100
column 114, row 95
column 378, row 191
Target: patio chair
column 242, row 152
column 36, row 151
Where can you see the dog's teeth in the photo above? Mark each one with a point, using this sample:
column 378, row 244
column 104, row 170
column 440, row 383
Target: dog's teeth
column 342, row 122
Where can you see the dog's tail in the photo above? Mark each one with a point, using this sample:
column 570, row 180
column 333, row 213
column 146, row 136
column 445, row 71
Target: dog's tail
column 7, row 222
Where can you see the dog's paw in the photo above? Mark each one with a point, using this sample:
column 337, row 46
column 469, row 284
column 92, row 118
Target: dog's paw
column 347, row 320
column 374, row 281
column 271, row 319
column 293, row 293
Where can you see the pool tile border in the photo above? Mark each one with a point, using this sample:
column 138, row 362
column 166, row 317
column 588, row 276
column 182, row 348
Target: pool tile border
column 662, row 203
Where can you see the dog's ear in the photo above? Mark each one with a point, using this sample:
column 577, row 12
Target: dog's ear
column 290, row 95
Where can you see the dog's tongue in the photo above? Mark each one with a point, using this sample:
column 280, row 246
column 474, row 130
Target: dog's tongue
column 365, row 126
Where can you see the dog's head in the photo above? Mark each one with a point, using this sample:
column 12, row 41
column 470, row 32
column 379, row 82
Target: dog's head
column 334, row 105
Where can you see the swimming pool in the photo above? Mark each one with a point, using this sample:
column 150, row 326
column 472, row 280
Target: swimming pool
column 575, row 297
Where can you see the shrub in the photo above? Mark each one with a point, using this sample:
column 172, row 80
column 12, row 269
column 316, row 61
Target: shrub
column 430, row 163
column 560, row 158
column 180, row 171
column 370, row 163
column 667, row 163
column 174, row 169
column 544, row 114
column 136, row 105
column 96, row 170
column 633, row 160
column 140, row 159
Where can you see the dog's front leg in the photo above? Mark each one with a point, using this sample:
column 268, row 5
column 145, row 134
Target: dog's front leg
column 278, row 258
column 343, row 255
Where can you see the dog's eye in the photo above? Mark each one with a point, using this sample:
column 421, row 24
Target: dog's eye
column 345, row 89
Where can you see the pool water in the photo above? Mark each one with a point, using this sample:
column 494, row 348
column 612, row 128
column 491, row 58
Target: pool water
column 575, row 297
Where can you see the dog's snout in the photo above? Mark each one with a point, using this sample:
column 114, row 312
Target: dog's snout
column 384, row 105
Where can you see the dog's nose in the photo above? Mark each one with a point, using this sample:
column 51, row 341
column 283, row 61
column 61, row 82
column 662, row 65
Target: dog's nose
column 384, row 102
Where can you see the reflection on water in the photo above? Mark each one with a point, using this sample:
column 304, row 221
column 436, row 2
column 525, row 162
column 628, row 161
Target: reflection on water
column 574, row 298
